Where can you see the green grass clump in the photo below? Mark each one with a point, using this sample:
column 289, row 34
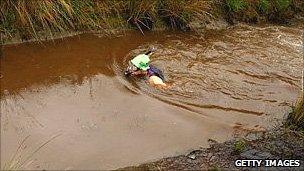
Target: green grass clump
column 239, row 146
column 282, row 4
column 235, row 5
column 255, row 11
column 264, row 6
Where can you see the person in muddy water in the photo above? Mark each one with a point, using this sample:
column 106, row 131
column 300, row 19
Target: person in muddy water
column 139, row 66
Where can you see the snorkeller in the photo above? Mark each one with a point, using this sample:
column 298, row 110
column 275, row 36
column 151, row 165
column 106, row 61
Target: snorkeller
column 139, row 66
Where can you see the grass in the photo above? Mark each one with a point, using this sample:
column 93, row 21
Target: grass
column 21, row 158
column 264, row 6
column 295, row 119
column 282, row 4
column 254, row 11
column 239, row 146
column 214, row 168
column 236, row 5
column 26, row 19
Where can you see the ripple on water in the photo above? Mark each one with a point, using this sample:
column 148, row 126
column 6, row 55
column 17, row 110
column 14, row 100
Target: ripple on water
column 246, row 69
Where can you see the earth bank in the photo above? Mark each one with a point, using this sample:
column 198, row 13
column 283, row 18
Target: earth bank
column 279, row 143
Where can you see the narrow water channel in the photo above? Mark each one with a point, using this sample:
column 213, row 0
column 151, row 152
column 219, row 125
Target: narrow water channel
column 73, row 89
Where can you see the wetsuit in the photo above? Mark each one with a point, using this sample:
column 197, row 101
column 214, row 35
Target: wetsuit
column 155, row 71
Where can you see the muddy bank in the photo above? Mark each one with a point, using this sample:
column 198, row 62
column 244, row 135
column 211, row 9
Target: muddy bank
column 278, row 143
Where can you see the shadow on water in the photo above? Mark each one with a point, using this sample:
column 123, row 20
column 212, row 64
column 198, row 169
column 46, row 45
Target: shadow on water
column 244, row 76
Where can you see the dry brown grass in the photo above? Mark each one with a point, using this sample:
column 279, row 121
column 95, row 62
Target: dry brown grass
column 296, row 117
column 28, row 17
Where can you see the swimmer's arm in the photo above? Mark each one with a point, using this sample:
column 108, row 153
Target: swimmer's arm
column 140, row 72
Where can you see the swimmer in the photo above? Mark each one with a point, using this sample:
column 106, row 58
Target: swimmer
column 139, row 66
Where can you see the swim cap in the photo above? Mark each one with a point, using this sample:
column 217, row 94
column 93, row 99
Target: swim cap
column 141, row 62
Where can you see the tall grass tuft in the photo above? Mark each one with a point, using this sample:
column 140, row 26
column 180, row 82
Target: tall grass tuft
column 26, row 18
column 279, row 11
column 179, row 13
column 296, row 117
column 31, row 18
column 140, row 13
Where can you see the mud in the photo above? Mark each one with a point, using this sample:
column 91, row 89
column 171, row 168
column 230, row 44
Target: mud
column 279, row 143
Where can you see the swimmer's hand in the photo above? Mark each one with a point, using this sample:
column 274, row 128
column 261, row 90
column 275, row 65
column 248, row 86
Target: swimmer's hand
column 127, row 74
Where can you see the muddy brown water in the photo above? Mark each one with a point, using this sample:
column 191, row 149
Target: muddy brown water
column 69, row 103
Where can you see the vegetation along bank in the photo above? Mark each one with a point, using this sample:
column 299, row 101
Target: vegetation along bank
column 32, row 19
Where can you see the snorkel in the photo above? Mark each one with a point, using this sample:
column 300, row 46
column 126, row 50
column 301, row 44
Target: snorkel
column 151, row 50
